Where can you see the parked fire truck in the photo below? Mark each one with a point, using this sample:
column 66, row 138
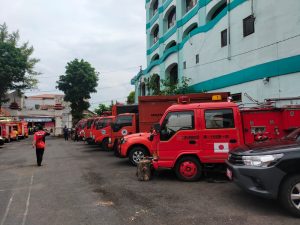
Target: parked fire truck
column 150, row 110
column 79, row 129
column 9, row 130
column 101, row 131
column 192, row 136
column 22, row 129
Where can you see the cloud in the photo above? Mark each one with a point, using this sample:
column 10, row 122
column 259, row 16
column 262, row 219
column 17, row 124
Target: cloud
column 108, row 34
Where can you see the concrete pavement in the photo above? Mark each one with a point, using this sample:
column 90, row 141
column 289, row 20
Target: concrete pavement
column 80, row 184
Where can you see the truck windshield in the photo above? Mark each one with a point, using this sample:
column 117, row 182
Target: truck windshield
column 124, row 121
column 103, row 123
column 89, row 123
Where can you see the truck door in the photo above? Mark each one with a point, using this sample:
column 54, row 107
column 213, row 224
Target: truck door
column 177, row 136
column 219, row 134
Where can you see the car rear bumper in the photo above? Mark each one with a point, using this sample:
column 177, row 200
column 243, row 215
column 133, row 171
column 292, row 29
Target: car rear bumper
column 263, row 182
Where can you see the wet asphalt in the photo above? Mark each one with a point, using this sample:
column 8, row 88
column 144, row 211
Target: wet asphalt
column 81, row 184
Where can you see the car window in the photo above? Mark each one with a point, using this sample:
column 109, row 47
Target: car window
column 219, row 118
column 176, row 121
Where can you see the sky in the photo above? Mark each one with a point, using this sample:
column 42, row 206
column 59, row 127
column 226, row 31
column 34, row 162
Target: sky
column 108, row 34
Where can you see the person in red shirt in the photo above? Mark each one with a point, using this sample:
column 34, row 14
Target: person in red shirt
column 39, row 143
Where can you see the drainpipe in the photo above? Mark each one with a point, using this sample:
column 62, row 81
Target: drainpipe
column 228, row 30
column 252, row 7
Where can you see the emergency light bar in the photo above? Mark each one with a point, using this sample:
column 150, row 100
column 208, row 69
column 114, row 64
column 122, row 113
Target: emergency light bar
column 216, row 98
column 184, row 100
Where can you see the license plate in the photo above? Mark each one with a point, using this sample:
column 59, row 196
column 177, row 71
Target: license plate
column 229, row 174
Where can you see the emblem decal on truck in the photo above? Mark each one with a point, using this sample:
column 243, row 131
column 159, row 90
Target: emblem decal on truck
column 103, row 132
column 124, row 132
column 221, row 147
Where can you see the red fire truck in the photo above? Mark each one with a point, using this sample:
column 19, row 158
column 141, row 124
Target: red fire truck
column 192, row 136
column 9, row 130
column 150, row 110
column 79, row 129
column 101, row 131
column 22, row 129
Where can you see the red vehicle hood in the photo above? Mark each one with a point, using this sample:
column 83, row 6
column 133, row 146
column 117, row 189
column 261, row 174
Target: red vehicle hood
column 144, row 135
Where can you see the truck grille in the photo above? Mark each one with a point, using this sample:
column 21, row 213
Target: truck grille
column 235, row 159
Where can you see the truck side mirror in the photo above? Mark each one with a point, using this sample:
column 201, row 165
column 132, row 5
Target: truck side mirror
column 151, row 137
column 156, row 127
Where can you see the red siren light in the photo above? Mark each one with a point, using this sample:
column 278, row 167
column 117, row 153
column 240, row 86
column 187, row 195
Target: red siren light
column 184, row 100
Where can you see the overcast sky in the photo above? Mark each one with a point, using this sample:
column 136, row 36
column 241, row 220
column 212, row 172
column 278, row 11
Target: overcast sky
column 108, row 34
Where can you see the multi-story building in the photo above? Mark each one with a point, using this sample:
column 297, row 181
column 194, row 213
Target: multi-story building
column 246, row 47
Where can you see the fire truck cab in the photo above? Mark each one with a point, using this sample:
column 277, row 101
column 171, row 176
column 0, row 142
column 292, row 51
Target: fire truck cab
column 102, row 131
column 189, row 136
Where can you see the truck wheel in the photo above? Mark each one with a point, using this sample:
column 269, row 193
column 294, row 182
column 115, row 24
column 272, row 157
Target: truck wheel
column 290, row 195
column 188, row 169
column 136, row 154
column 104, row 144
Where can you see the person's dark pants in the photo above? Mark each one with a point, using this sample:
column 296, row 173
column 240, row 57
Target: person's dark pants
column 39, row 156
column 66, row 137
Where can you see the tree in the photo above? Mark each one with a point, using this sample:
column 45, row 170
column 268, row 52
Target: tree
column 16, row 64
column 78, row 82
column 101, row 108
column 173, row 88
column 131, row 98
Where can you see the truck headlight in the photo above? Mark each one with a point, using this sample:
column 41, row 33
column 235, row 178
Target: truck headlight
column 261, row 160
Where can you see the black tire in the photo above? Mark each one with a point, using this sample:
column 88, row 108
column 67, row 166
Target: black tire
column 104, row 144
column 291, row 186
column 188, row 168
column 136, row 154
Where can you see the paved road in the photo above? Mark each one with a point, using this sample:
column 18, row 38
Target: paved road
column 78, row 184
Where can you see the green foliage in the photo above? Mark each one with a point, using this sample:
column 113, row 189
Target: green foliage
column 131, row 98
column 173, row 88
column 78, row 82
column 153, row 84
column 16, row 64
column 102, row 108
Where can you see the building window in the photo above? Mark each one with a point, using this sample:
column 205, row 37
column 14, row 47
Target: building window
column 248, row 25
column 224, row 38
column 197, row 58
column 184, row 65
column 155, row 57
column 170, row 45
column 190, row 4
column 217, row 10
column 155, row 34
column 189, row 30
column 155, row 7
column 172, row 18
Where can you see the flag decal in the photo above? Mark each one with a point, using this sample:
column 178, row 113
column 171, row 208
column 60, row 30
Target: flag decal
column 221, row 147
